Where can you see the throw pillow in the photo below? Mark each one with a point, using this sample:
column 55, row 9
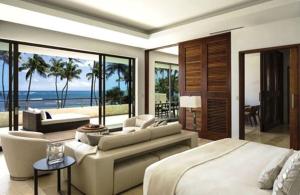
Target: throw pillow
column 48, row 116
column 288, row 179
column 43, row 114
column 162, row 123
column 139, row 122
column 272, row 170
column 93, row 139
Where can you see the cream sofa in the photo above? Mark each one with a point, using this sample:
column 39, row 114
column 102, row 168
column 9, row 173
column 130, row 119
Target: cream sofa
column 22, row 149
column 122, row 159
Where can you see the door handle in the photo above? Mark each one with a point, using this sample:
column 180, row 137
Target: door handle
column 293, row 101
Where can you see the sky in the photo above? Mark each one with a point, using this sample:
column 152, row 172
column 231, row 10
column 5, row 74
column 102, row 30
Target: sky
column 48, row 84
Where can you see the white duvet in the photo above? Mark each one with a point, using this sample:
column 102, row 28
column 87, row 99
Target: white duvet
column 235, row 173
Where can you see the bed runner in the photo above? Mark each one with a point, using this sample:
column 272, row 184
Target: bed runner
column 166, row 175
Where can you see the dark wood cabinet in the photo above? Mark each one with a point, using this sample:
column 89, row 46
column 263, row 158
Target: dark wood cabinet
column 205, row 70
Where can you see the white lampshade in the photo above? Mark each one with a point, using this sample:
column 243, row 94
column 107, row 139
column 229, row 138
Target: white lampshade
column 190, row 101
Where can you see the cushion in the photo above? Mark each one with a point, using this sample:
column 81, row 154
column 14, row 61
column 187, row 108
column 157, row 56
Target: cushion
column 93, row 140
column 130, row 129
column 31, row 109
column 159, row 123
column 65, row 118
column 48, row 115
column 43, row 115
column 139, row 122
column 123, row 139
column 288, row 179
column 166, row 130
column 270, row 173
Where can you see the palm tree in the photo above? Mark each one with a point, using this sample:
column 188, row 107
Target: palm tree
column 56, row 70
column 93, row 76
column 116, row 67
column 5, row 58
column 90, row 76
column 96, row 77
column 174, row 85
column 70, row 72
column 119, row 68
column 34, row 64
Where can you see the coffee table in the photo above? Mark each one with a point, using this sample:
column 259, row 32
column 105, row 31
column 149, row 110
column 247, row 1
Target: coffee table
column 42, row 165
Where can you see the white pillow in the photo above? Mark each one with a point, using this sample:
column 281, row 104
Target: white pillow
column 139, row 122
column 272, row 170
column 288, row 181
column 43, row 114
column 31, row 109
column 37, row 110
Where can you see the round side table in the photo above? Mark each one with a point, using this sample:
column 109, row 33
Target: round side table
column 42, row 165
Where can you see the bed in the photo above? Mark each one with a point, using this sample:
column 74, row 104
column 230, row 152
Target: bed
column 228, row 166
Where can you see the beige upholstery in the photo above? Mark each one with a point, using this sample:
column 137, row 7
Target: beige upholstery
column 21, row 149
column 112, row 171
column 124, row 139
column 169, row 151
column 162, row 131
column 130, row 173
column 138, row 122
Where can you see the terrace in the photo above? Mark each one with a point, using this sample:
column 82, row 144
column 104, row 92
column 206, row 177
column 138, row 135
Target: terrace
column 66, row 82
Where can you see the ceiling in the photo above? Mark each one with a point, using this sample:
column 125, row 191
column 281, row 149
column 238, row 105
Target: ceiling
column 145, row 23
column 174, row 50
column 147, row 15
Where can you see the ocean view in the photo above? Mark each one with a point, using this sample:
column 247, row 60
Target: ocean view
column 47, row 99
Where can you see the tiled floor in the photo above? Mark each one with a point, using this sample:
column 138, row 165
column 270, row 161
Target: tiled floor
column 278, row 136
column 47, row 184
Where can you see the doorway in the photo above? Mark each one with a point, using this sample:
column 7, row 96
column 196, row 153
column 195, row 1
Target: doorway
column 268, row 96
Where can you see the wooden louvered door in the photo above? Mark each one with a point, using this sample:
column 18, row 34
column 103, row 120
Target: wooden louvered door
column 216, row 88
column 204, row 66
column 190, row 71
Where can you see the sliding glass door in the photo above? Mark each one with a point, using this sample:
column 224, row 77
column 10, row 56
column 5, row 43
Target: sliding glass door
column 5, row 72
column 166, row 90
column 63, row 82
column 118, row 89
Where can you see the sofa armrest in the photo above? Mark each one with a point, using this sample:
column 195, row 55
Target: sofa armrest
column 32, row 121
column 28, row 134
column 129, row 122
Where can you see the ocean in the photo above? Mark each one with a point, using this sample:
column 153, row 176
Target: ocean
column 47, row 99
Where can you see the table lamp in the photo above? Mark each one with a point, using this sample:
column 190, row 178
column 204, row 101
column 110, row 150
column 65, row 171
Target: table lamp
column 191, row 103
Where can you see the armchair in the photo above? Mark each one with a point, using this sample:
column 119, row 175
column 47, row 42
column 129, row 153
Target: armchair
column 21, row 149
column 138, row 122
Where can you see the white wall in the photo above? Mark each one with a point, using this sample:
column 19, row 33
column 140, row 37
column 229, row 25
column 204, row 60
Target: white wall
column 252, row 79
column 278, row 33
column 35, row 35
column 157, row 56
